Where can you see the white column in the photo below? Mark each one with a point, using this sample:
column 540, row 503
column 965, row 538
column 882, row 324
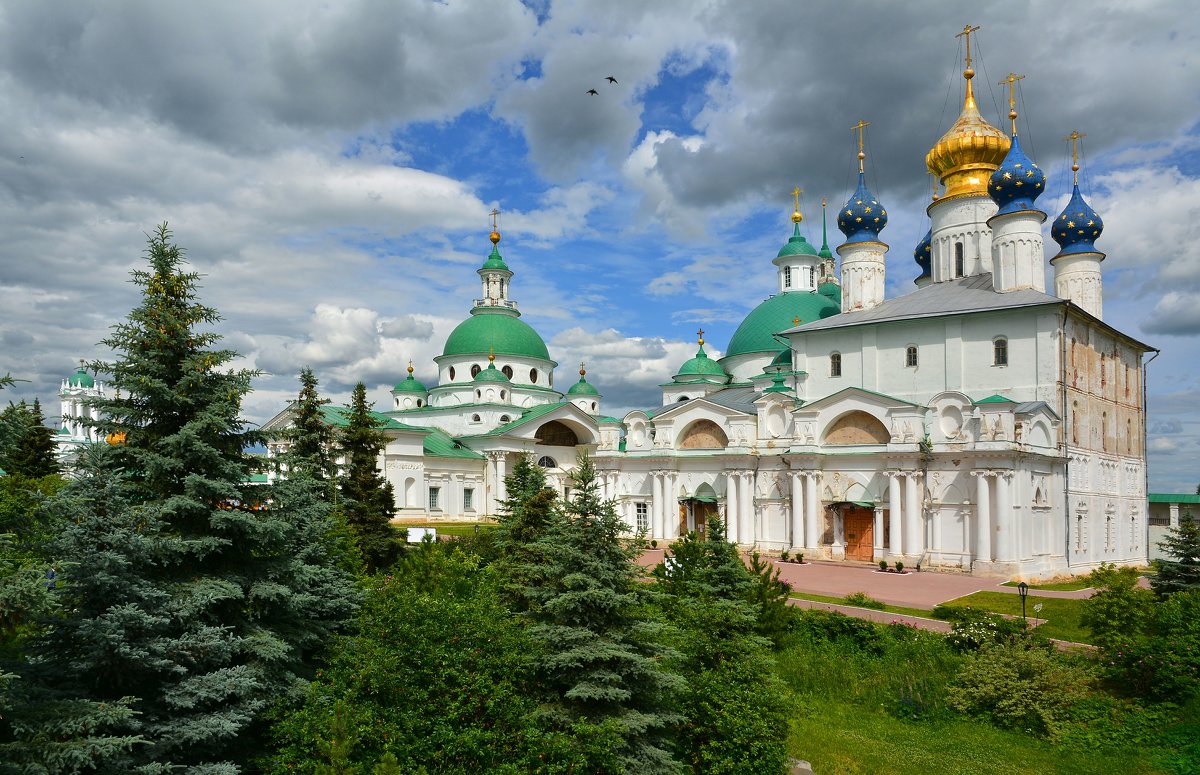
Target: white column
column 983, row 517
column 914, row 543
column 1004, row 518
column 1174, row 516
column 877, row 549
column 671, row 505
column 731, row 507
column 489, row 481
column 894, row 513
column 797, row 510
column 656, row 505
column 502, row 493
column 746, row 520
column 813, row 523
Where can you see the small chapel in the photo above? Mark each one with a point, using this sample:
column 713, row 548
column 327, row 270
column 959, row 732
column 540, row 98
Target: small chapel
column 981, row 422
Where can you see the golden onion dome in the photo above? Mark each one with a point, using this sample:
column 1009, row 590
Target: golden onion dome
column 970, row 152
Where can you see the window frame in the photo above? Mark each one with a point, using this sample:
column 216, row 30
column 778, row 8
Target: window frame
column 435, row 497
column 1000, row 351
column 960, row 260
column 912, row 358
column 835, row 364
column 468, row 499
column 641, row 517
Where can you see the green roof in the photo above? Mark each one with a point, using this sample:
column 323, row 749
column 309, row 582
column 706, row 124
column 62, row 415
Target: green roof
column 495, row 330
column 409, row 385
column 996, row 398
column 832, row 291
column 606, row 419
column 583, row 388
column 756, row 333
column 1171, row 497
column 81, row 379
column 494, row 261
column 784, row 358
column 797, row 245
column 338, row 416
column 526, row 416
column 701, row 366
column 256, row 479
column 491, row 374
column 440, row 444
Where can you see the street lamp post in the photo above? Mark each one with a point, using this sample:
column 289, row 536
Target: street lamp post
column 1023, row 591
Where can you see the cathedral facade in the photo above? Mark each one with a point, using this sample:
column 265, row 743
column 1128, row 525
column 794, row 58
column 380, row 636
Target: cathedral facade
column 982, row 422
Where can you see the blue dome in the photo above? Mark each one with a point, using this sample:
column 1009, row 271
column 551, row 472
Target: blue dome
column 1077, row 229
column 862, row 217
column 923, row 254
column 1017, row 181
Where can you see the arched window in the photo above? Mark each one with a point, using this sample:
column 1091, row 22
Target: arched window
column 475, row 369
column 1075, row 422
column 593, row 406
column 1104, row 431
column 835, row 364
column 420, row 403
column 960, row 260
column 533, row 376
column 507, row 371
column 556, row 434
column 451, row 373
column 504, row 418
column 1129, row 437
column 1103, row 370
column 545, row 461
column 910, row 356
column 681, row 399
column 704, row 434
column 787, row 277
column 501, row 395
column 479, row 394
column 812, row 277
column 857, row 428
column 1000, row 351
column 475, row 418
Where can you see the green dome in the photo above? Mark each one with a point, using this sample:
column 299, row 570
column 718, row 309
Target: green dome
column 783, row 359
column 756, row 333
column 583, row 388
column 491, row 374
column 832, row 291
column 409, row 385
column 81, row 379
column 701, row 367
column 495, row 331
column 797, row 246
column 494, row 261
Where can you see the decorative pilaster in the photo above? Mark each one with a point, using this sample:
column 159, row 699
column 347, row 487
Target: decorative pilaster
column 983, row 517
column 914, row 539
column 1005, row 529
column 746, row 522
column 797, row 536
column 813, row 523
column 895, row 482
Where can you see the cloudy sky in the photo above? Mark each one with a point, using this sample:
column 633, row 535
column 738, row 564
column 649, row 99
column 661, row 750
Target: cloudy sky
column 329, row 168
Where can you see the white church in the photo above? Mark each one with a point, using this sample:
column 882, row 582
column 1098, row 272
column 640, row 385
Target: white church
column 977, row 423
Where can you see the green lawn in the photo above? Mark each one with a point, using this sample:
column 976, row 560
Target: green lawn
column 455, row 528
column 1061, row 615
column 891, row 609
column 839, row 738
column 1063, row 586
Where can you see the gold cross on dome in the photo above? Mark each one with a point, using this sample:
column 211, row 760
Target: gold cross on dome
column 967, row 30
column 1075, row 137
column 700, row 336
column 1011, row 80
column 796, row 196
column 796, row 321
column 859, row 127
column 495, row 212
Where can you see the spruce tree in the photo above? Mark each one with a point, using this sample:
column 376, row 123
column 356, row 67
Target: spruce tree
column 529, row 509
column 179, row 591
column 1179, row 570
column 311, row 437
column 33, row 455
column 600, row 662
column 368, row 500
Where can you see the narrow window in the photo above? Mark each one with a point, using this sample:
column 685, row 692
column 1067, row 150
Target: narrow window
column 474, row 418
column 960, row 260
column 501, row 286
column 451, row 373
column 910, row 356
column 504, row 418
column 643, row 517
column 434, row 495
column 475, row 369
column 507, row 371
column 593, row 406
column 468, row 499
column 835, row 364
column 787, row 277
column 1000, row 352
column 533, row 376
column 812, row 277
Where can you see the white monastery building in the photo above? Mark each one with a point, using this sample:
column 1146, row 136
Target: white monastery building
column 982, row 422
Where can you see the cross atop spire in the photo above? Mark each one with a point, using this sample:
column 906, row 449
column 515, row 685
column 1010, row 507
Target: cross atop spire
column 966, row 33
column 495, row 235
column 700, row 335
column 797, row 216
column 859, row 127
column 1011, row 80
column 1075, row 137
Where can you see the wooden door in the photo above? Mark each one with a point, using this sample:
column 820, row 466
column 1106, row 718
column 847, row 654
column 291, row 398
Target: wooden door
column 701, row 513
column 860, row 533
column 683, row 519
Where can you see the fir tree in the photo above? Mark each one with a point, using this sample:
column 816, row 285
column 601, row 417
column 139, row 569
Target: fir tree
column 177, row 591
column 1179, row 570
column 600, row 665
column 526, row 515
column 369, row 502
column 33, row 455
column 311, row 437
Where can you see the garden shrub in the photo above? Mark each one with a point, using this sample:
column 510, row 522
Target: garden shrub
column 861, row 600
column 1017, row 687
column 816, row 625
column 1119, row 610
column 1164, row 664
column 971, row 631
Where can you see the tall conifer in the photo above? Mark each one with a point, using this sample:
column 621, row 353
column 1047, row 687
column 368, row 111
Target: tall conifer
column 182, row 591
column 369, row 502
column 33, row 455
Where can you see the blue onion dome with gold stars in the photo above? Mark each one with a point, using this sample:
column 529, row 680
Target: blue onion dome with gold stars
column 410, row 385
column 1077, row 229
column 1017, row 182
column 701, row 367
column 862, row 217
column 923, row 254
column 583, row 387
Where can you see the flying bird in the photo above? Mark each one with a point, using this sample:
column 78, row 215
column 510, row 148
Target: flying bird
column 611, row 79
column 593, row 92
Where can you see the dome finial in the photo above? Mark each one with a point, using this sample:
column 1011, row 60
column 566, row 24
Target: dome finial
column 700, row 339
column 969, row 72
column 1075, row 137
column 859, row 127
column 1011, row 80
column 797, row 216
column 410, row 367
column 495, row 235
column 491, row 354
column 824, row 251
column 582, row 369
column 933, row 182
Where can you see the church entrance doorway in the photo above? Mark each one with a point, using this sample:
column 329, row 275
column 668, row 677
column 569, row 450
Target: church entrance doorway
column 859, row 522
column 694, row 514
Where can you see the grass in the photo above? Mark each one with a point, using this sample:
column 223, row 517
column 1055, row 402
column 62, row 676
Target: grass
column 1061, row 615
column 891, row 609
column 1074, row 585
column 840, row 738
